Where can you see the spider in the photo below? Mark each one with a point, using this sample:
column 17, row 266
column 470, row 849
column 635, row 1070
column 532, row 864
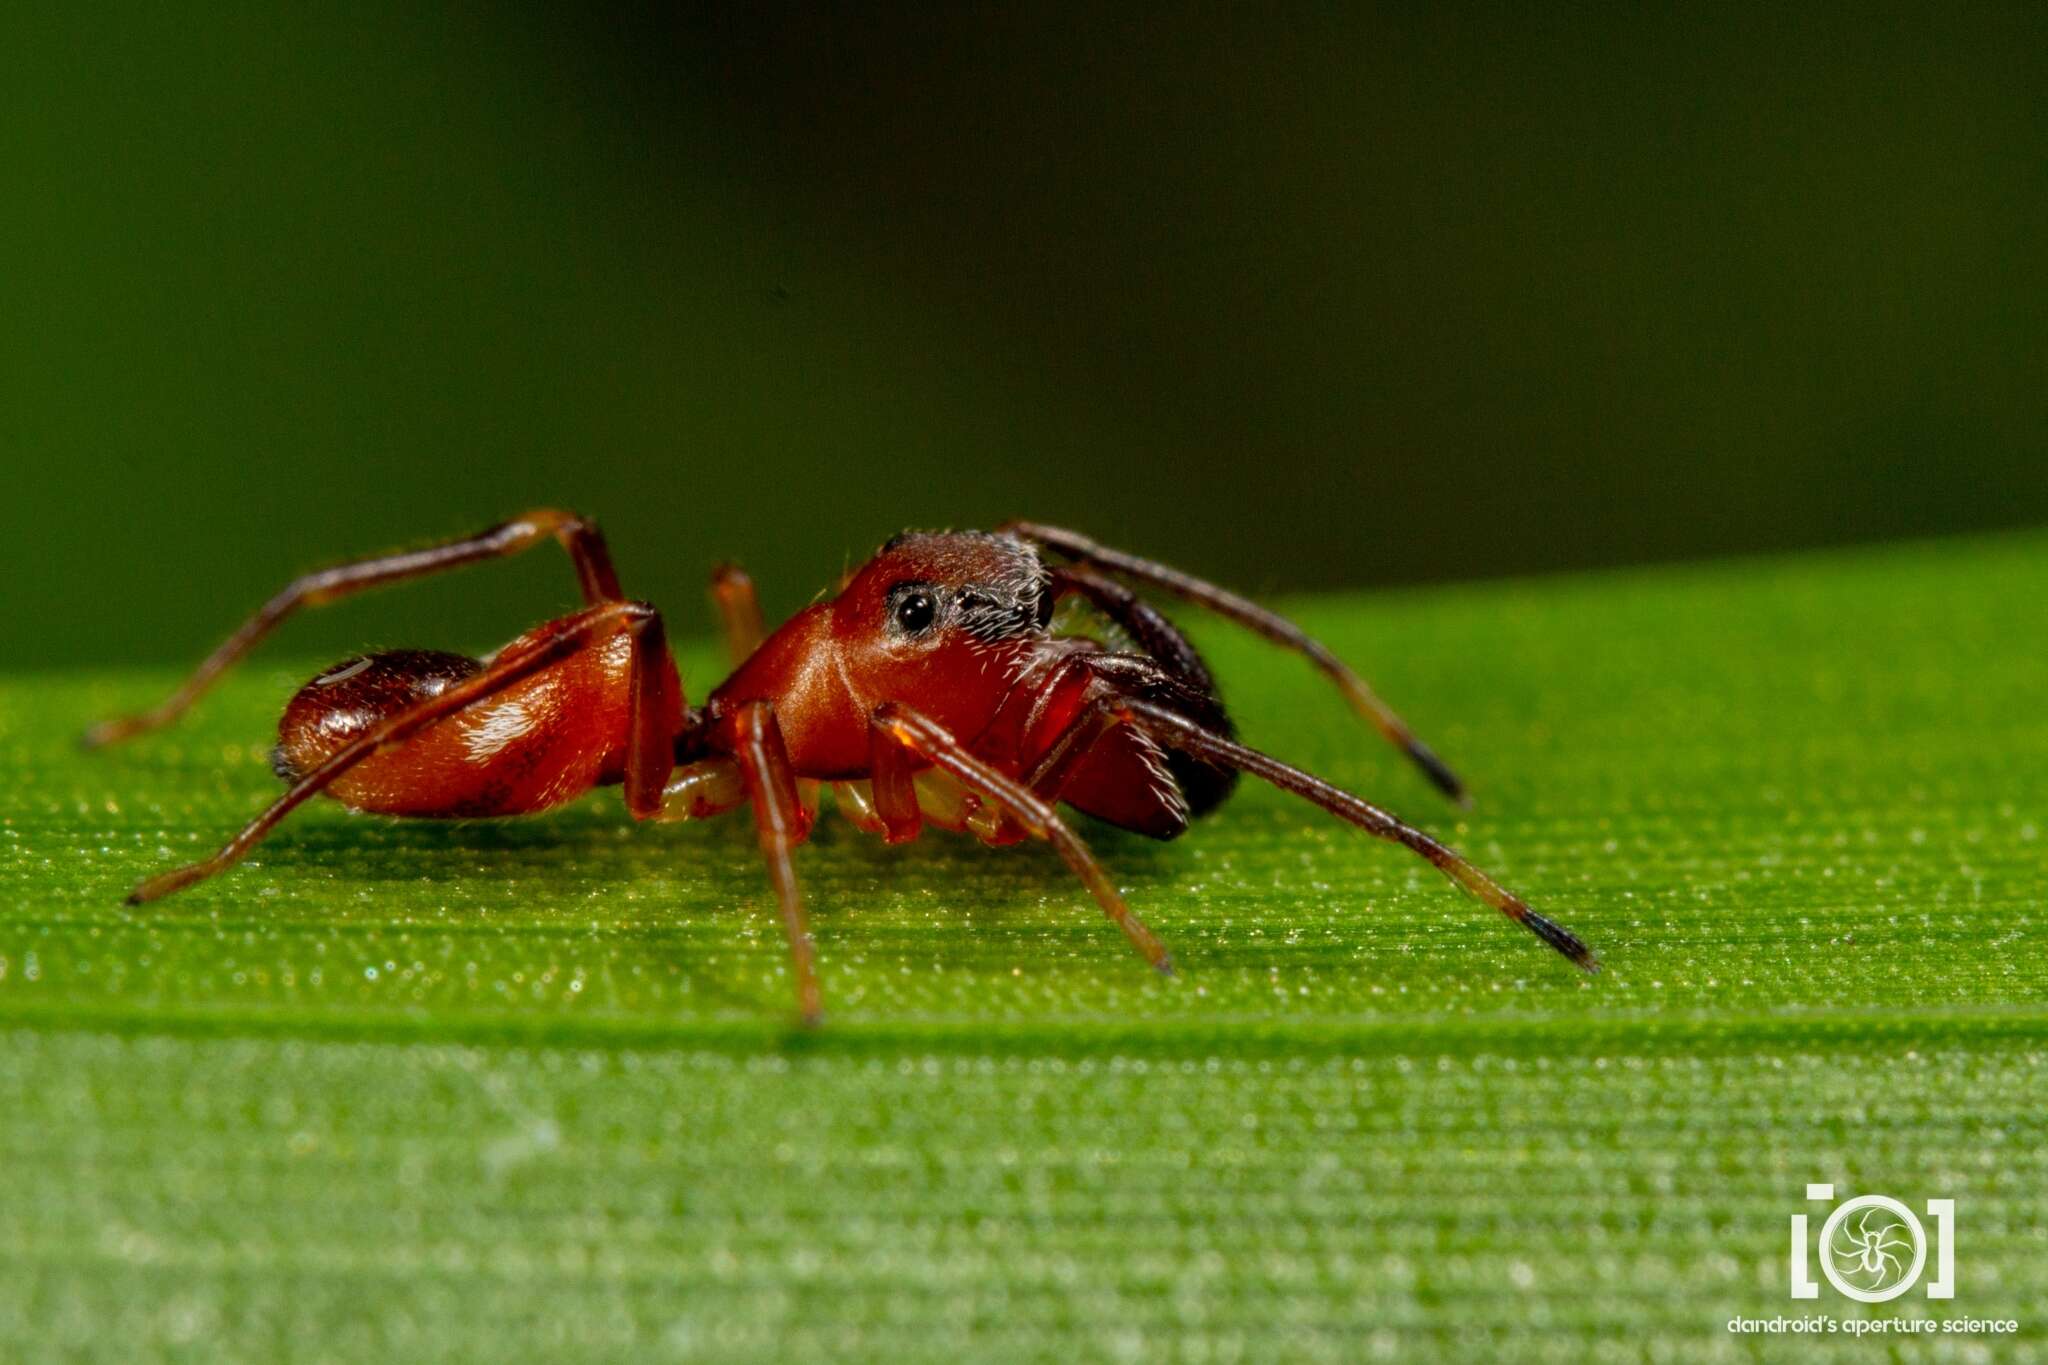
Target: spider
column 1870, row 1253
column 932, row 689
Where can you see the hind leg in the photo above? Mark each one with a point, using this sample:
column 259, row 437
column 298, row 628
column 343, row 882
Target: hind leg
column 650, row 754
column 579, row 536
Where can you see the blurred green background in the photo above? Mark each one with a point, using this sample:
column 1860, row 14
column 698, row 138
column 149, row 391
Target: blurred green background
column 1297, row 300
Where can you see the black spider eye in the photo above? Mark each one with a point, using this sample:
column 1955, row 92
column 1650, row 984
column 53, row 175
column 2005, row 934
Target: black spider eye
column 915, row 612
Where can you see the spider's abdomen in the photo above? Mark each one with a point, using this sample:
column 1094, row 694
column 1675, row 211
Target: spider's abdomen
column 542, row 741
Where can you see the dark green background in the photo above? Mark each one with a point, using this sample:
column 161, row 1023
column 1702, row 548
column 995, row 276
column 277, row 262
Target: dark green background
column 1315, row 299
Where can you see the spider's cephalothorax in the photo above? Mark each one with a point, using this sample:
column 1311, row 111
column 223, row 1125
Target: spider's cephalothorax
column 959, row 625
column 933, row 688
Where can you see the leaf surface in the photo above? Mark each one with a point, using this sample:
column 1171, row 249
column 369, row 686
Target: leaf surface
column 527, row 1089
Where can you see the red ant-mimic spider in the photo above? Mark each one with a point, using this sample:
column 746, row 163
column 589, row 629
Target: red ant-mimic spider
column 931, row 689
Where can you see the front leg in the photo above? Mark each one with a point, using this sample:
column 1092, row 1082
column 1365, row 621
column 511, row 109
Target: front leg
column 1110, row 708
column 1169, row 727
column 903, row 739
column 1273, row 626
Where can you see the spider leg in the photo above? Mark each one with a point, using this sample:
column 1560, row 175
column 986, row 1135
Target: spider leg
column 1171, row 728
column 912, row 733
column 739, row 611
column 702, row 789
column 1258, row 619
column 782, row 823
column 577, row 535
column 645, row 773
column 650, row 735
column 1147, row 626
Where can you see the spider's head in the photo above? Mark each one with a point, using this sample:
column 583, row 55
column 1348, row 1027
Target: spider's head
column 943, row 621
column 926, row 591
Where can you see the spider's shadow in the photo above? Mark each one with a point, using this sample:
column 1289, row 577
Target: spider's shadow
column 598, row 850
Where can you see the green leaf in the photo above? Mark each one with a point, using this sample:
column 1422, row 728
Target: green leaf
column 528, row 1089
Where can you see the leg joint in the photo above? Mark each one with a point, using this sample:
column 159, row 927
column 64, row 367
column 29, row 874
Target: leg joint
column 551, row 521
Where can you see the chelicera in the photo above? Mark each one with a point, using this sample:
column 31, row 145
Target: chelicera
column 932, row 689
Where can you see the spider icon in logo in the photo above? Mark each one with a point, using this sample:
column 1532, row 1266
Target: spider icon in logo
column 1872, row 1248
column 1871, row 1253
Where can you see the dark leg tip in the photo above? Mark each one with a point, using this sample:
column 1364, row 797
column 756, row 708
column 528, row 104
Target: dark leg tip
column 164, row 883
column 1564, row 940
column 1164, row 964
column 1438, row 772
